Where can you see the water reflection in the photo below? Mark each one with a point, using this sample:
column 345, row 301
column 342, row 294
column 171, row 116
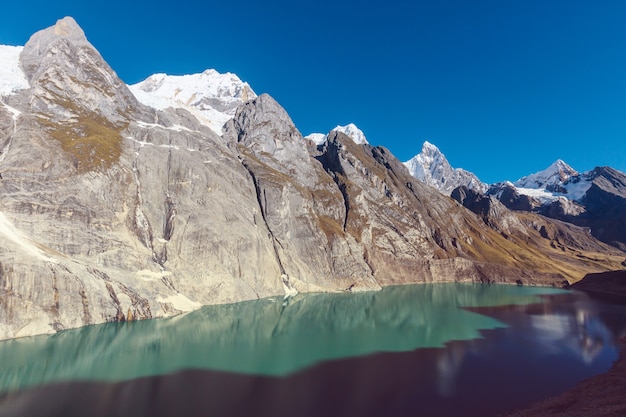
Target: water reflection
column 267, row 337
column 509, row 343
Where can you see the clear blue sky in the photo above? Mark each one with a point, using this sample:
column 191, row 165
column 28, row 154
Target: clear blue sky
column 503, row 88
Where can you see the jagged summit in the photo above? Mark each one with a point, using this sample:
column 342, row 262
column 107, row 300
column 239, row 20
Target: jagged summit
column 44, row 41
column 70, row 79
column 350, row 130
column 431, row 167
column 210, row 96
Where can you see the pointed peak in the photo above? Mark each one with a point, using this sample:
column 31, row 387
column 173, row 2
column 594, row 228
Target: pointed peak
column 353, row 132
column 67, row 27
column 560, row 167
column 557, row 173
column 38, row 44
column 563, row 166
column 428, row 147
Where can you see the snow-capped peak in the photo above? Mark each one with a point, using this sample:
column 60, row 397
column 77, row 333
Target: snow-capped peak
column 352, row 132
column 431, row 167
column 558, row 180
column 349, row 130
column 317, row 138
column 557, row 173
column 12, row 77
column 211, row 96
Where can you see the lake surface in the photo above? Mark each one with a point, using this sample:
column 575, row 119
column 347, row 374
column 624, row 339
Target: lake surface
column 430, row 349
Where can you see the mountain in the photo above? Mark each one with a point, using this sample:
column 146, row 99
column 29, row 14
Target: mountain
column 556, row 174
column 594, row 199
column 431, row 167
column 559, row 179
column 350, row 130
column 210, row 96
column 115, row 210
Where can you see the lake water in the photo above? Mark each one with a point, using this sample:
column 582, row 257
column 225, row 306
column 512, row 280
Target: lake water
column 431, row 349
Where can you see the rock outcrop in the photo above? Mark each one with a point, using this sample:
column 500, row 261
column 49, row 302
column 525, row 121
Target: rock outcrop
column 112, row 210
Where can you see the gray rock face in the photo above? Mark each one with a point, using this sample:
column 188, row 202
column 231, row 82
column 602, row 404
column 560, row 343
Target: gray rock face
column 114, row 211
column 300, row 204
column 63, row 68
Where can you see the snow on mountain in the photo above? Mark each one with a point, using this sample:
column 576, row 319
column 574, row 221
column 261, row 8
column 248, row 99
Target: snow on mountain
column 353, row 132
column 558, row 180
column 12, row 77
column 317, row 138
column 431, row 167
column 211, row 96
column 350, row 130
column 555, row 174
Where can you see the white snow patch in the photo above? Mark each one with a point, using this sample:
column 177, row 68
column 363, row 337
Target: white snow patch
column 15, row 113
column 12, row 77
column 175, row 128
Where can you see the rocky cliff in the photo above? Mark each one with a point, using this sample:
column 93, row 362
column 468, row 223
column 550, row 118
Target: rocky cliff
column 112, row 210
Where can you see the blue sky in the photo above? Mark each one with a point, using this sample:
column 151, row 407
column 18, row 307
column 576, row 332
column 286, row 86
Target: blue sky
column 503, row 88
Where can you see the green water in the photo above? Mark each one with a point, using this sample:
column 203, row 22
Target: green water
column 265, row 337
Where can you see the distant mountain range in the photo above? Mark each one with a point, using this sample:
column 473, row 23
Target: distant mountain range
column 129, row 202
column 595, row 199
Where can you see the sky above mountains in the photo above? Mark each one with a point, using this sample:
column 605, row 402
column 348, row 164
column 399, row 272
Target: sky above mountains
column 503, row 88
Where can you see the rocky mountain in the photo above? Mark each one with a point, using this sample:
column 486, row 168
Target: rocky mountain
column 432, row 168
column 116, row 210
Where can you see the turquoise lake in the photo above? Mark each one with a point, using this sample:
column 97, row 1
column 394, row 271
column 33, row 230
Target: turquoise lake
column 280, row 340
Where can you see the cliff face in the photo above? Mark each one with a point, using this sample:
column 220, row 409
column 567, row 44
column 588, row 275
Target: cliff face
column 112, row 210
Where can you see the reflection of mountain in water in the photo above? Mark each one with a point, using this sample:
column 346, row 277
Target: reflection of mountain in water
column 268, row 337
